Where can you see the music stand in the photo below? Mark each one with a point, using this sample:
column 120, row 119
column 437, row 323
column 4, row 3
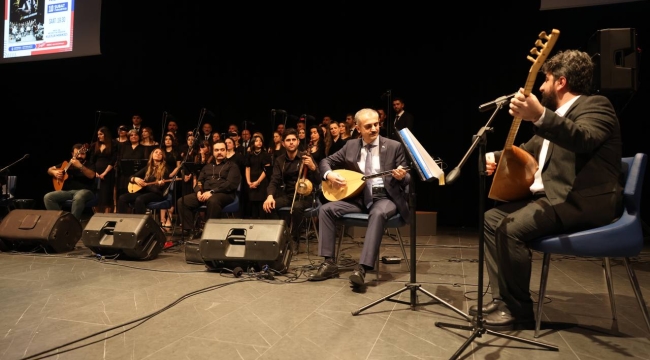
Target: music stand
column 477, row 327
column 427, row 170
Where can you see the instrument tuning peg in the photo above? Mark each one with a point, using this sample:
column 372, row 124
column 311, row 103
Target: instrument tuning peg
column 532, row 59
column 543, row 35
column 539, row 43
column 534, row 51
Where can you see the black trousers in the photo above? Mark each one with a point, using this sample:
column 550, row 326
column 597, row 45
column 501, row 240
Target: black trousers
column 188, row 204
column 139, row 199
column 292, row 220
column 508, row 227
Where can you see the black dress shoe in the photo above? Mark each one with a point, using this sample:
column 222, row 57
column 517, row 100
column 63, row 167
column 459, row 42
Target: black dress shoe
column 358, row 277
column 502, row 319
column 326, row 270
column 487, row 308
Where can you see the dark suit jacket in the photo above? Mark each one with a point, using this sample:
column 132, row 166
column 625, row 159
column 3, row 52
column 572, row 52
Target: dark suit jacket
column 391, row 155
column 405, row 121
column 582, row 171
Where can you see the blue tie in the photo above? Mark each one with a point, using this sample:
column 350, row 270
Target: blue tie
column 367, row 193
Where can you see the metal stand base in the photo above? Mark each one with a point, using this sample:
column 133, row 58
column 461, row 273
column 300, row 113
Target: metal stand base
column 478, row 331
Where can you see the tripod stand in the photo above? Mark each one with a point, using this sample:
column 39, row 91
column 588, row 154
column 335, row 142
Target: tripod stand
column 477, row 327
column 412, row 285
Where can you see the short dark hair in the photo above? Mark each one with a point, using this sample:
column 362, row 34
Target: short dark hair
column 289, row 131
column 219, row 142
column 575, row 66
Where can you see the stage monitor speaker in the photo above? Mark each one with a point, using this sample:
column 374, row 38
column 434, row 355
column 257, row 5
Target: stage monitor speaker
column 615, row 57
column 134, row 235
column 56, row 231
column 228, row 243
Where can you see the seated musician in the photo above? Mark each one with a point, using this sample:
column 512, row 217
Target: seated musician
column 281, row 190
column 577, row 186
column 216, row 187
column 152, row 181
column 382, row 197
column 78, row 187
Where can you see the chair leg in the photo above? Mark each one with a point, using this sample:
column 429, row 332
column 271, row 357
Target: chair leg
column 313, row 225
column 401, row 245
column 542, row 291
column 610, row 286
column 637, row 291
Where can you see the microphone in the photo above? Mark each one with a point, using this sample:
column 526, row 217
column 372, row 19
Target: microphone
column 278, row 111
column 494, row 103
column 25, row 157
column 385, row 94
column 248, row 122
column 106, row 112
column 209, row 112
column 305, row 118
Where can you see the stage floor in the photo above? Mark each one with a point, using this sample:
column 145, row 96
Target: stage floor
column 169, row 309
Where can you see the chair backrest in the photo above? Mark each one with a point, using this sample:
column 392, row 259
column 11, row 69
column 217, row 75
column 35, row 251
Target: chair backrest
column 634, row 182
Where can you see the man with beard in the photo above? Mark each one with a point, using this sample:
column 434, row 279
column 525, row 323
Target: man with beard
column 578, row 184
column 285, row 176
column 382, row 197
column 216, row 187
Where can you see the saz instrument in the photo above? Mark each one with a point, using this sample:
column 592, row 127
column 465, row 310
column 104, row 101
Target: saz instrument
column 355, row 182
column 303, row 185
column 516, row 168
column 135, row 187
column 58, row 184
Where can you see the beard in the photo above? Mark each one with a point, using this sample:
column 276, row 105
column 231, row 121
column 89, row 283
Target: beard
column 549, row 100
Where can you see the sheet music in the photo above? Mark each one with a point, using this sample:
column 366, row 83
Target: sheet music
column 425, row 162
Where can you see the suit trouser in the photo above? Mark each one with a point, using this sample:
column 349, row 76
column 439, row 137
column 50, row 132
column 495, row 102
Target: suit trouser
column 508, row 227
column 380, row 211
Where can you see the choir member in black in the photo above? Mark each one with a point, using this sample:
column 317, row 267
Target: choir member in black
column 201, row 157
column 258, row 165
column 147, row 140
column 337, row 141
column 282, row 187
column 173, row 162
column 216, row 187
column 104, row 156
column 130, row 150
column 316, row 147
column 153, row 181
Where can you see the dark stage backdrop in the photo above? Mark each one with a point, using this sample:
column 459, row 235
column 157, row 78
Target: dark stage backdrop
column 331, row 59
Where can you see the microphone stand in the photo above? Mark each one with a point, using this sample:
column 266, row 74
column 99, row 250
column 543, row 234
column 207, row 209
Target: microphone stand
column 412, row 285
column 477, row 326
column 187, row 154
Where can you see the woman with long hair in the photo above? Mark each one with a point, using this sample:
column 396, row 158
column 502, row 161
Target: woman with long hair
column 173, row 162
column 147, row 140
column 258, row 171
column 104, row 156
column 316, row 146
column 151, row 183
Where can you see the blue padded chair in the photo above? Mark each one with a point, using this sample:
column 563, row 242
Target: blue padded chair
column 230, row 210
column 361, row 220
column 156, row 206
column 622, row 238
column 308, row 215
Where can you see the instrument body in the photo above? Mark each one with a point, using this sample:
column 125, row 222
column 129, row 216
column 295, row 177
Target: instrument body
column 133, row 188
column 516, row 168
column 58, row 183
column 355, row 183
column 304, row 186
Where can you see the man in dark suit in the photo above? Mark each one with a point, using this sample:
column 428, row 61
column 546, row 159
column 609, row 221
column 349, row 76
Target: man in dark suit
column 382, row 197
column 402, row 119
column 578, row 184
